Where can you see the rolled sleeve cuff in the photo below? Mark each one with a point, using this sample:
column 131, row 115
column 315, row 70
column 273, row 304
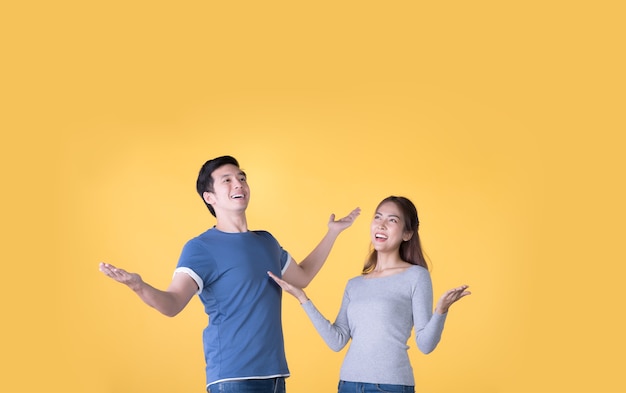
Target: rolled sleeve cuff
column 193, row 275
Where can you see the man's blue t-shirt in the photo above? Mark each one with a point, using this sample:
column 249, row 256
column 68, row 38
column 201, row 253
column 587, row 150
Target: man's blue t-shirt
column 244, row 337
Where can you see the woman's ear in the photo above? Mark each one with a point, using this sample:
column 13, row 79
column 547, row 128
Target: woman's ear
column 407, row 236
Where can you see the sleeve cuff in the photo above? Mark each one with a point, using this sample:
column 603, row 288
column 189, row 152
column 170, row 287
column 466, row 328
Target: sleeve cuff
column 286, row 265
column 193, row 275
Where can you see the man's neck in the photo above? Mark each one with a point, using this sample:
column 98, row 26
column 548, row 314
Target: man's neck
column 232, row 224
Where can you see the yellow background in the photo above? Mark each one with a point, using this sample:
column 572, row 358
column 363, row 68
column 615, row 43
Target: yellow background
column 502, row 121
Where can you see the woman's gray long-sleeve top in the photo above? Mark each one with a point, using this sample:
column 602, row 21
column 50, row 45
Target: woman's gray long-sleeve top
column 378, row 315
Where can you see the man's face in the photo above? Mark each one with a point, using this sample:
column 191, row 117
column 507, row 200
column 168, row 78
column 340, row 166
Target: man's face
column 230, row 189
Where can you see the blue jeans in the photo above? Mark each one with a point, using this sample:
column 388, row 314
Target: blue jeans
column 270, row 385
column 359, row 387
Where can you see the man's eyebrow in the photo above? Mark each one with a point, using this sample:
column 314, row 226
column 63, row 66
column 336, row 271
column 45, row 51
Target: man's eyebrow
column 238, row 174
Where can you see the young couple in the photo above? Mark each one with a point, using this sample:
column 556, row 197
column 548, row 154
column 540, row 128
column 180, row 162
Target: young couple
column 228, row 266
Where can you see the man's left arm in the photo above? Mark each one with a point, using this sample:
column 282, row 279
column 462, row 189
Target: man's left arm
column 301, row 274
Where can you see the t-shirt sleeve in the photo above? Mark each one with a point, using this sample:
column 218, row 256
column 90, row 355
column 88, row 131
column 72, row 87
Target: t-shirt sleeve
column 285, row 261
column 193, row 262
column 285, row 257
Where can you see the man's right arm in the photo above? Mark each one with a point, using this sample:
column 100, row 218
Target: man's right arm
column 169, row 302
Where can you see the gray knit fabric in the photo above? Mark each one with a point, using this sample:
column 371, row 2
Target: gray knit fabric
column 378, row 314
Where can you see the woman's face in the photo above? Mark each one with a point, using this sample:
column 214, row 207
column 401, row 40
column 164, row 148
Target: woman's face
column 387, row 228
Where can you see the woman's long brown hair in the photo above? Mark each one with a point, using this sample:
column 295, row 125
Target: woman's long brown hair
column 410, row 250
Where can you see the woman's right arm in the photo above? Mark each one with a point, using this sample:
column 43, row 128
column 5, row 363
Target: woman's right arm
column 336, row 335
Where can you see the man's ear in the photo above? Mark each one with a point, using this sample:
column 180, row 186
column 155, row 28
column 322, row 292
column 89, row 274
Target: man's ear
column 208, row 197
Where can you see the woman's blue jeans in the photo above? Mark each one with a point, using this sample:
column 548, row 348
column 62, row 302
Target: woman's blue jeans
column 270, row 385
column 359, row 387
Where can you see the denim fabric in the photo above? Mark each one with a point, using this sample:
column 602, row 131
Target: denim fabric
column 270, row 385
column 359, row 387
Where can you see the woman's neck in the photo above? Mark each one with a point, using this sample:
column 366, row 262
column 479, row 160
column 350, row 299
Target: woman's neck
column 389, row 261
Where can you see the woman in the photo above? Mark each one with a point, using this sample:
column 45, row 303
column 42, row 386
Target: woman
column 380, row 307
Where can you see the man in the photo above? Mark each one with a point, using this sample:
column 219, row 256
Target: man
column 227, row 267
